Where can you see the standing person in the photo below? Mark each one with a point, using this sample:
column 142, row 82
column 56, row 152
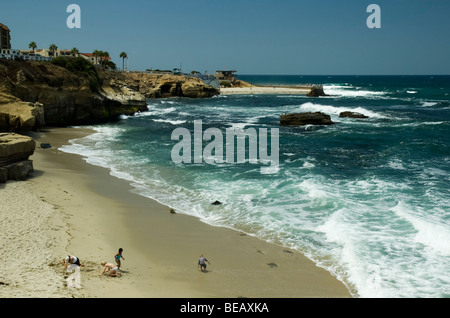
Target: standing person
column 202, row 264
column 118, row 256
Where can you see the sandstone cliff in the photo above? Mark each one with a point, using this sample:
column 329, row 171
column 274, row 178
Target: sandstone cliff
column 67, row 98
column 15, row 150
column 161, row 86
column 36, row 93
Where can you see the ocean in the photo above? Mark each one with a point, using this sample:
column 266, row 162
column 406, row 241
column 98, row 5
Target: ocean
column 366, row 199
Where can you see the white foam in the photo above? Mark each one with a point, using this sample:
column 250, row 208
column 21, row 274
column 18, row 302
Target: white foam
column 350, row 91
column 433, row 235
column 396, row 164
column 173, row 122
column 429, row 104
column 333, row 110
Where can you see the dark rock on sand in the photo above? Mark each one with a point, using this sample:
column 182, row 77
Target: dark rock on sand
column 46, row 146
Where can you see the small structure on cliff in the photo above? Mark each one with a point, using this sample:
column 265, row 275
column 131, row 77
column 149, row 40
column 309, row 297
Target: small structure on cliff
column 225, row 76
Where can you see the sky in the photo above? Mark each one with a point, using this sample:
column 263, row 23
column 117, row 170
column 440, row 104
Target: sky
column 292, row 37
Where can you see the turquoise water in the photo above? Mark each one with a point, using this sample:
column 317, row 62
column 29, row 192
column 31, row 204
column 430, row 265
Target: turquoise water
column 366, row 199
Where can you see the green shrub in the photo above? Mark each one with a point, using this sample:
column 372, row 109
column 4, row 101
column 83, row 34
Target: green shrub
column 80, row 67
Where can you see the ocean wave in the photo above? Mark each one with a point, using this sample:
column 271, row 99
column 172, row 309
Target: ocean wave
column 333, row 110
column 173, row 122
column 350, row 91
column 433, row 235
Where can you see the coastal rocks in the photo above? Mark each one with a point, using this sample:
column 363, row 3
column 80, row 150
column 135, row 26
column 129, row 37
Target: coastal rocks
column 302, row 119
column 21, row 117
column 67, row 98
column 163, row 86
column 316, row 92
column 14, row 153
column 352, row 115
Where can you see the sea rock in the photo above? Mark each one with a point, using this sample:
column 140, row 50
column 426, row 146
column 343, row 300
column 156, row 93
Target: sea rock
column 316, row 92
column 216, row 203
column 15, row 150
column 301, row 119
column 352, row 115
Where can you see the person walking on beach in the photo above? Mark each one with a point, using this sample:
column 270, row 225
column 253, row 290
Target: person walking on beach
column 111, row 269
column 118, row 256
column 202, row 264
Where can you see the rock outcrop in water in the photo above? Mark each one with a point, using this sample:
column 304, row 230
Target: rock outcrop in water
column 301, row 119
column 316, row 92
column 352, row 115
column 15, row 150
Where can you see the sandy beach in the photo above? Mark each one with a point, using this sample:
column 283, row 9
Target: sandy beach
column 71, row 207
column 264, row 90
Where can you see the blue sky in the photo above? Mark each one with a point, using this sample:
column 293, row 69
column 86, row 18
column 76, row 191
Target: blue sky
column 316, row 37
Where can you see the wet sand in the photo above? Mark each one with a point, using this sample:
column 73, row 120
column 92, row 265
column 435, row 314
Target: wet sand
column 84, row 211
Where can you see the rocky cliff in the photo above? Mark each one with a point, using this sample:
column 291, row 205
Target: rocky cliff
column 67, row 97
column 34, row 94
column 162, row 86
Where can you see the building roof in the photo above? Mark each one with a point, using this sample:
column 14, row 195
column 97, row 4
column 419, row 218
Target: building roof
column 92, row 55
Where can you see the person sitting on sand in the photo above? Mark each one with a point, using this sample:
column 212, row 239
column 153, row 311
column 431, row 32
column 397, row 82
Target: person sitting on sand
column 118, row 256
column 202, row 264
column 111, row 269
column 71, row 260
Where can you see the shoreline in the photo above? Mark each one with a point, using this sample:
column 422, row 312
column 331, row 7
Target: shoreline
column 98, row 213
column 265, row 90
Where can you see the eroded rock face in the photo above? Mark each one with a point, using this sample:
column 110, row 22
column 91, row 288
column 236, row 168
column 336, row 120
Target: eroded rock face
column 68, row 98
column 18, row 116
column 163, row 86
column 301, row 119
column 15, row 150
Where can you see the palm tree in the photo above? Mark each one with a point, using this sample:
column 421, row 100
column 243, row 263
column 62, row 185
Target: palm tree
column 53, row 48
column 123, row 56
column 32, row 46
column 74, row 51
column 96, row 54
column 104, row 57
